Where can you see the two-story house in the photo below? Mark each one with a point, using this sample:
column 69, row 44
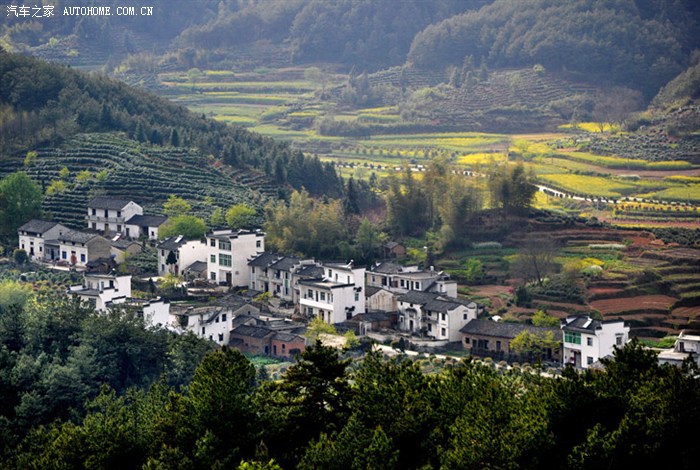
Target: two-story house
column 78, row 248
column 145, row 226
column 176, row 254
column 103, row 290
column 434, row 315
column 33, row 235
column 686, row 345
column 228, row 255
column 587, row 340
column 277, row 274
column 401, row 279
column 214, row 322
column 335, row 296
column 109, row 215
column 487, row 337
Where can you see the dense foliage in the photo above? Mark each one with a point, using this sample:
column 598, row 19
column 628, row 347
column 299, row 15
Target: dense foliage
column 366, row 33
column 385, row 414
column 638, row 44
column 42, row 103
column 55, row 355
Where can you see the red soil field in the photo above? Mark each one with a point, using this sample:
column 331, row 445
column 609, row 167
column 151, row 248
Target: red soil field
column 651, row 302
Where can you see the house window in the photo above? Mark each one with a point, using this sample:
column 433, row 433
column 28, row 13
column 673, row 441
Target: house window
column 225, row 260
column 106, row 213
column 212, row 276
column 82, row 257
column 466, row 341
column 357, row 296
column 589, row 341
column 223, row 245
column 94, row 225
column 203, row 330
column 223, row 317
column 309, row 294
column 464, row 317
column 442, row 316
column 417, row 285
column 330, row 273
column 221, row 337
column 618, row 340
column 589, row 360
column 212, row 242
column 498, row 345
column 212, row 258
column 571, row 337
column 430, row 327
column 119, row 228
column 401, row 282
column 442, row 332
column 162, row 252
column 94, row 212
column 217, row 319
column 257, row 244
column 323, row 296
column 119, row 213
column 252, row 269
column 284, row 346
column 64, row 255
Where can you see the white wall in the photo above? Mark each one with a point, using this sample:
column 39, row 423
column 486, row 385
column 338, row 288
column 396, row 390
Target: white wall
column 156, row 313
column 243, row 247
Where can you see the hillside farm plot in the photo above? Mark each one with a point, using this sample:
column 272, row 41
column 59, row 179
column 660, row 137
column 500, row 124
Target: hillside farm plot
column 146, row 174
column 642, row 303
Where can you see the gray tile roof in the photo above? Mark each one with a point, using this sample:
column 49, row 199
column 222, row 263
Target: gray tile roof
column 172, row 243
column 37, row 226
column 251, row 331
column 487, row 327
column 582, row 324
column 197, row 267
column 312, row 271
column 147, row 220
column 263, row 260
column 76, row 236
column 287, row 337
column 434, row 301
column 123, row 244
column 285, row 264
column 104, row 202
column 387, row 267
column 371, row 290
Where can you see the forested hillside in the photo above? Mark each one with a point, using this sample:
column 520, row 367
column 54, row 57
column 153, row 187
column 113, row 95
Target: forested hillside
column 43, row 105
column 637, row 44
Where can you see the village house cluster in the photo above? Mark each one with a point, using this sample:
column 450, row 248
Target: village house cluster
column 418, row 303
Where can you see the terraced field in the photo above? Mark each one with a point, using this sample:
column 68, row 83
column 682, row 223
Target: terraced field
column 145, row 174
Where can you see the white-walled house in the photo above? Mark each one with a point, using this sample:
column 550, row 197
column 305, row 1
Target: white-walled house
column 185, row 252
column 78, row 248
column 103, row 290
column 687, row 345
column 273, row 273
column 33, row 235
column 213, row 322
column 379, row 299
column 336, row 296
column 586, row 340
column 434, row 315
column 145, row 226
column 401, row 279
column 228, row 252
column 109, row 215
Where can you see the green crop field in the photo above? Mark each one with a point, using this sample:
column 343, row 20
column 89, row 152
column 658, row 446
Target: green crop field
column 280, row 103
